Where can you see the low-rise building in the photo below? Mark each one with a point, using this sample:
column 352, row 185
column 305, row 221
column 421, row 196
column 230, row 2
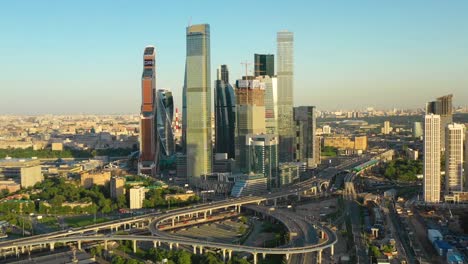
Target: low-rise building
column 88, row 179
column 57, row 146
column 25, row 171
column 344, row 142
column 412, row 154
column 249, row 184
column 10, row 185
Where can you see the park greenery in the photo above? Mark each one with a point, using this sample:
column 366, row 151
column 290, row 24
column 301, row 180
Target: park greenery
column 65, row 153
column 402, row 169
column 51, row 196
column 328, row 151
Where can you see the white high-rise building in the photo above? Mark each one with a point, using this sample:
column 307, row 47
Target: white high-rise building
column 454, row 136
column 386, row 129
column 417, row 130
column 465, row 181
column 432, row 158
column 137, row 196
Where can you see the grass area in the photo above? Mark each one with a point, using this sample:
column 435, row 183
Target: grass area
column 80, row 221
column 49, row 221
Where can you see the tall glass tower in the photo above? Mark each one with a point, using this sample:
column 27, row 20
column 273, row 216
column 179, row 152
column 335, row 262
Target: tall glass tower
column 197, row 100
column 285, row 76
column 164, row 122
column 225, row 113
column 264, row 64
column 305, row 149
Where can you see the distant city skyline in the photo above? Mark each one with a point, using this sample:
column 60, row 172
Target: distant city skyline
column 85, row 57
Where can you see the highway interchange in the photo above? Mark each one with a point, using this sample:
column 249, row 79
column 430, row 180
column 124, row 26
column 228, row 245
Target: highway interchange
column 298, row 250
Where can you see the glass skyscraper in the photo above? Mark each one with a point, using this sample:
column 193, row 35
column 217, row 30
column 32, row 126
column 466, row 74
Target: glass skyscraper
column 164, row 116
column 264, row 64
column 305, row 150
column 271, row 103
column 285, row 63
column 262, row 157
column 197, row 93
column 225, row 113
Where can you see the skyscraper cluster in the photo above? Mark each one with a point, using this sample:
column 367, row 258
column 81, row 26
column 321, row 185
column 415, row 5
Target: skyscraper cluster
column 255, row 121
column 443, row 138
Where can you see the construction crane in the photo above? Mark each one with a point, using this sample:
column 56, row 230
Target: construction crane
column 246, row 64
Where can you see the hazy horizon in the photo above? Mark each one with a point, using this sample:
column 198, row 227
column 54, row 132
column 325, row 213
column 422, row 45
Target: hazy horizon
column 86, row 57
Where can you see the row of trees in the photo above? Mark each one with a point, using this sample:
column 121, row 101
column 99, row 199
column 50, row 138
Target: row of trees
column 176, row 256
column 66, row 153
column 44, row 153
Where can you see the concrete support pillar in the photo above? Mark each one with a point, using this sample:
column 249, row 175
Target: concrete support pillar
column 196, row 214
column 173, row 221
column 254, row 257
column 239, row 208
column 170, row 246
column 201, row 250
column 159, row 243
column 229, row 254
column 155, row 244
column 16, row 251
column 79, row 245
column 194, row 249
column 204, row 214
column 224, row 255
column 52, row 246
column 177, row 245
column 211, row 211
column 323, row 234
column 264, row 255
column 332, row 250
column 134, row 246
column 105, row 244
column 319, row 257
column 287, row 256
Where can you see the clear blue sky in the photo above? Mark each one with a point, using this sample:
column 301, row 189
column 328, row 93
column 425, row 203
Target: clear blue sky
column 86, row 56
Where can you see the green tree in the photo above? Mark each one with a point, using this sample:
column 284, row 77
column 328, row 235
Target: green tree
column 122, row 201
column 183, row 257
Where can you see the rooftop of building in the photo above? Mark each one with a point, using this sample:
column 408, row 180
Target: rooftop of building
column 14, row 162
